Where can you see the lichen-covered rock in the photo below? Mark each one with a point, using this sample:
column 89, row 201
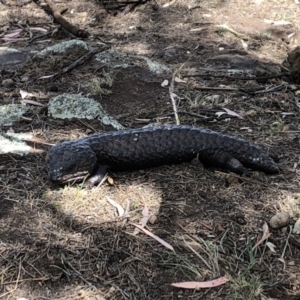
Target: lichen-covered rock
column 13, row 143
column 115, row 59
column 11, row 59
column 72, row 46
column 68, row 106
column 11, row 113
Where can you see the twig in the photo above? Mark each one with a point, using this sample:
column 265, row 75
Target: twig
column 87, row 125
column 75, row 64
column 16, row 282
column 102, row 180
column 76, row 272
column 124, row 294
column 286, row 242
column 171, row 92
column 41, row 36
column 278, row 75
column 213, row 88
column 193, row 114
column 272, row 89
column 217, row 69
column 249, row 92
column 26, row 279
column 227, row 89
column 64, row 23
column 225, row 27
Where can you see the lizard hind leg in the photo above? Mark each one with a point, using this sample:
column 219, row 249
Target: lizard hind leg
column 223, row 160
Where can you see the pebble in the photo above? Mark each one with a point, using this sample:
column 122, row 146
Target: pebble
column 280, row 220
column 7, row 82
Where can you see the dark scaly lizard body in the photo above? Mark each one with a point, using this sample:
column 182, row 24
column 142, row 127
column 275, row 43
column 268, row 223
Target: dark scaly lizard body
column 153, row 146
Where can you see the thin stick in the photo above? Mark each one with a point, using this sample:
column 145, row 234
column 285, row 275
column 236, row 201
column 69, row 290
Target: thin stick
column 278, row 75
column 225, row 27
column 26, row 279
column 76, row 272
column 75, row 64
column 286, row 242
column 171, row 92
column 16, row 282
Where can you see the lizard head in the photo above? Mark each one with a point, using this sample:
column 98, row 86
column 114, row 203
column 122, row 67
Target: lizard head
column 70, row 162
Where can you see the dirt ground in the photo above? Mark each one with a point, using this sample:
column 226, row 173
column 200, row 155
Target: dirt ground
column 69, row 242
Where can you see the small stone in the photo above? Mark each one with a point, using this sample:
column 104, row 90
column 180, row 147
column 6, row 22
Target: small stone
column 280, row 220
column 112, row 289
column 24, row 78
column 7, row 82
column 231, row 180
column 89, row 131
column 152, row 219
column 110, row 180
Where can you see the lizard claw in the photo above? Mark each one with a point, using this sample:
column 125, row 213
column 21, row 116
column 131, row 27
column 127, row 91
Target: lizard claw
column 247, row 172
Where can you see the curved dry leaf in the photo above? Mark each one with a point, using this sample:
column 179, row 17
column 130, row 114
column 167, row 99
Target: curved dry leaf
column 283, row 261
column 266, row 230
column 38, row 29
column 47, row 76
column 144, row 220
column 13, row 33
column 179, row 80
column 31, row 102
column 201, row 284
column 145, row 211
column 232, row 113
column 271, row 246
column 23, row 94
column 266, row 235
column 220, row 113
column 117, row 206
column 167, row 245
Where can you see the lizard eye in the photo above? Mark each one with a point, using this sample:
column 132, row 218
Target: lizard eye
column 71, row 168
